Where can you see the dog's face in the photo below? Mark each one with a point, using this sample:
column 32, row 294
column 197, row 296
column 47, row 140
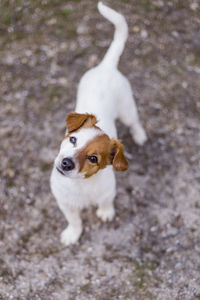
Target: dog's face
column 86, row 149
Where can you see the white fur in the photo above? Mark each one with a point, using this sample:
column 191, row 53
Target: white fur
column 106, row 93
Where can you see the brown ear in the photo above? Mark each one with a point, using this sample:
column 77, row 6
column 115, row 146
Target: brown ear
column 119, row 161
column 74, row 121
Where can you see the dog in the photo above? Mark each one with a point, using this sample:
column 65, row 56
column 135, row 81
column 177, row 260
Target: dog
column 83, row 171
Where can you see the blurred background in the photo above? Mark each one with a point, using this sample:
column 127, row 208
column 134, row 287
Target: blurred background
column 151, row 250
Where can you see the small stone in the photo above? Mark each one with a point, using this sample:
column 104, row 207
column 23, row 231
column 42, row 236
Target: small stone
column 184, row 84
column 175, row 33
column 194, row 5
column 153, row 229
column 159, row 3
column 63, row 46
column 24, row 60
column 174, row 62
column 10, row 29
column 190, row 58
column 93, row 60
column 28, row 52
column 62, row 81
column 136, row 29
column 52, row 21
column 82, row 29
column 161, row 46
column 135, row 62
column 30, row 201
column 22, row 189
column 144, row 34
column 10, row 173
column 178, row 266
column 10, row 59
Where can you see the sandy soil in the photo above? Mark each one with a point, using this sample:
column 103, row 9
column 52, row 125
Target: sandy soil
column 152, row 248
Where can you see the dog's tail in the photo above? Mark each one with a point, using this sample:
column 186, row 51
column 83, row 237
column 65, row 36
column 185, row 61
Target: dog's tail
column 116, row 48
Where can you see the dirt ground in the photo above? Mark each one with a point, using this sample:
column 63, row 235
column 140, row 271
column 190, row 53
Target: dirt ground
column 151, row 250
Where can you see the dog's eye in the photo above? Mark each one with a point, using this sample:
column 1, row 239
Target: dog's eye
column 72, row 140
column 93, row 159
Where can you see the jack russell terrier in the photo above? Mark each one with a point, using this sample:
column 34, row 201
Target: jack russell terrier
column 83, row 170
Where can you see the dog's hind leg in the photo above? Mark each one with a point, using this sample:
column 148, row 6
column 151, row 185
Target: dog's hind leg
column 128, row 114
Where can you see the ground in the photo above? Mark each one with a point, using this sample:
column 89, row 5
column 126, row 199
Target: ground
column 151, row 250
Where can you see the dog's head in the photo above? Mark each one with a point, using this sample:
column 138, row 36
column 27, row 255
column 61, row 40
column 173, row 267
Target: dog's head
column 86, row 149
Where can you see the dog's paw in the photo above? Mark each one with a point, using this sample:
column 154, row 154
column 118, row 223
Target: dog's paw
column 106, row 214
column 140, row 136
column 70, row 235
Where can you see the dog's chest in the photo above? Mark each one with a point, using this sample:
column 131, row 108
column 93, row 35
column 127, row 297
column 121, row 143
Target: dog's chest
column 83, row 192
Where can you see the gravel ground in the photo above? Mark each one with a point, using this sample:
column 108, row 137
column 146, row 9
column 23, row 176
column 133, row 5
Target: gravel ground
column 151, row 250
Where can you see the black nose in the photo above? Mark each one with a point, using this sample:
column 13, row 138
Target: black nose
column 67, row 164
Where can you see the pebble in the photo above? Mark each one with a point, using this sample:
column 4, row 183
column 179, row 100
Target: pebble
column 136, row 29
column 175, row 33
column 52, row 21
column 93, row 60
column 184, row 84
column 10, row 173
column 144, row 34
column 194, row 6
column 82, row 29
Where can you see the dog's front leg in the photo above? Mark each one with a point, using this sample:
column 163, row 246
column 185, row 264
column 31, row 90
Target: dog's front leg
column 74, row 229
column 106, row 211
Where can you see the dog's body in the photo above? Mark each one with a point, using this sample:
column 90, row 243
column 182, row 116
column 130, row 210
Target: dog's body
column 86, row 175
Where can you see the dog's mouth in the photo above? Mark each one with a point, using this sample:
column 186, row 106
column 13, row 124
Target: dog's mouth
column 60, row 171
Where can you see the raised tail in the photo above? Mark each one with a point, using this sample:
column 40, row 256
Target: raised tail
column 116, row 48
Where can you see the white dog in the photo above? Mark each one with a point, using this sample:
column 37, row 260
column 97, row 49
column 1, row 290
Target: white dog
column 83, row 170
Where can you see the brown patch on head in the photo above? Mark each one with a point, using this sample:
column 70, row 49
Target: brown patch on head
column 106, row 151
column 75, row 121
column 99, row 147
